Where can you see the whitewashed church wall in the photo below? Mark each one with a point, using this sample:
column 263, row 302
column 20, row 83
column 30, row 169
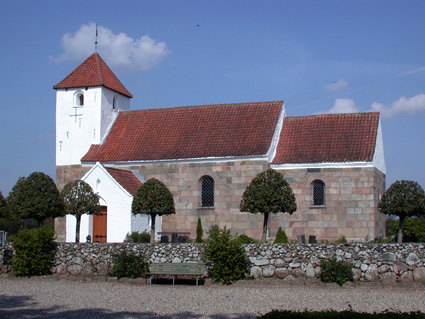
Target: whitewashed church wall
column 108, row 114
column 116, row 199
column 379, row 158
column 77, row 127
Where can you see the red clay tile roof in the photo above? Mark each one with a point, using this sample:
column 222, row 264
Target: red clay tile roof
column 328, row 138
column 243, row 129
column 93, row 72
column 126, row 179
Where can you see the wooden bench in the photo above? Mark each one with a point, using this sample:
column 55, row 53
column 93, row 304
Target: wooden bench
column 177, row 269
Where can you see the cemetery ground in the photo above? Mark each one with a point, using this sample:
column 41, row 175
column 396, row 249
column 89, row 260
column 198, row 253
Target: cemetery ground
column 48, row 297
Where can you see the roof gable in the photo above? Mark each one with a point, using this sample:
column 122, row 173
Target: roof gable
column 126, row 179
column 93, row 72
column 328, row 138
column 221, row 130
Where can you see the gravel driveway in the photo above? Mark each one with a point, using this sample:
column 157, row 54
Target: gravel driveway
column 46, row 298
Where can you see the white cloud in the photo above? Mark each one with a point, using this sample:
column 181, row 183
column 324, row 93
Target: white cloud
column 118, row 49
column 336, row 86
column 344, row 106
column 401, row 106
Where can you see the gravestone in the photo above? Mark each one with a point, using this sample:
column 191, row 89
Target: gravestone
column 164, row 239
column 312, row 240
column 301, row 239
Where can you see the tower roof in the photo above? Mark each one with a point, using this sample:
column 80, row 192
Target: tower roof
column 93, row 72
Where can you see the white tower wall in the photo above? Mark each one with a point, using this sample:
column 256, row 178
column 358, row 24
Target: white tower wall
column 79, row 126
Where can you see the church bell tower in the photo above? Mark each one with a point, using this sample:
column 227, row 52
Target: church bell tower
column 88, row 101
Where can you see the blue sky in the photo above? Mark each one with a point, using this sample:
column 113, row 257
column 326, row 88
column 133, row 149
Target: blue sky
column 317, row 56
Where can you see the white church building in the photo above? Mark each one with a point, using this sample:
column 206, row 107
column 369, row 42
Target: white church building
column 207, row 155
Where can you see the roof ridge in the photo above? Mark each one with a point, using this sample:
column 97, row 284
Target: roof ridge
column 200, row 106
column 331, row 114
column 99, row 68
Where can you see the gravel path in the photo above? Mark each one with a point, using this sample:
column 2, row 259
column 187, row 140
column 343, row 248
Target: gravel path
column 46, row 298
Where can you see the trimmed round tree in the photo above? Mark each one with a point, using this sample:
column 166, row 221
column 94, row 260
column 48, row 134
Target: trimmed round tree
column 80, row 199
column 268, row 193
column 153, row 198
column 35, row 197
column 403, row 199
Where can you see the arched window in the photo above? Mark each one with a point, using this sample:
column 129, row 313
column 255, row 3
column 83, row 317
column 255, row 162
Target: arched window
column 79, row 99
column 318, row 193
column 207, row 192
column 115, row 103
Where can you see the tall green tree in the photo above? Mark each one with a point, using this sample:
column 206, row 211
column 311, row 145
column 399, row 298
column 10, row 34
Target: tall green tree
column 35, row 197
column 80, row 199
column 153, row 198
column 403, row 199
column 4, row 208
column 268, row 193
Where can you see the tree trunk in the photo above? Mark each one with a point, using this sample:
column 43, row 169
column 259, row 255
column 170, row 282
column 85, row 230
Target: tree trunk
column 400, row 230
column 266, row 221
column 77, row 232
column 153, row 229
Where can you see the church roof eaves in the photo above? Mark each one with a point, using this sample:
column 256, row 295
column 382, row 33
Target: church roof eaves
column 192, row 132
column 93, row 72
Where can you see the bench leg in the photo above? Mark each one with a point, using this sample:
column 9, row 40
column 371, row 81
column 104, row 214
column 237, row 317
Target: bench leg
column 196, row 281
column 173, row 279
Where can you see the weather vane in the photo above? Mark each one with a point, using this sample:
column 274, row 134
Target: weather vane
column 95, row 44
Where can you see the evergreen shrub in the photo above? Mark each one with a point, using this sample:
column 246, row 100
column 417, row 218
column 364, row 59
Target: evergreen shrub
column 336, row 271
column 244, row 239
column 199, row 232
column 140, row 238
column 227, row 257
column 281, row 237
column 35, row 251
column 128, row 264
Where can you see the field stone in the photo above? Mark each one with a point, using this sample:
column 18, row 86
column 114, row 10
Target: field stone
column 298, row 273
column 268, row 271
column 75, row 269
column 281, row 272
column 412, row 259
column 407, row 276
column 400, row 267
column 256, row 272
column 279, row 263
column 372, row 273
column 388, row 277
column 419, row 274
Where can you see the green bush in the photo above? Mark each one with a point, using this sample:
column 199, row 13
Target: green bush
column 35, row 251
column 228, row 259
column 137, row 237
column 128, row 264
column 346, row 314
column 336, row 271
column 199, row 232
column 244, row 239
column 341, row 240
column 281, row 237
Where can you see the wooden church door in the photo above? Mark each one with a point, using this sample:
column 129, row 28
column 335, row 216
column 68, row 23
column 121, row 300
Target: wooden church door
column 99, row 226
